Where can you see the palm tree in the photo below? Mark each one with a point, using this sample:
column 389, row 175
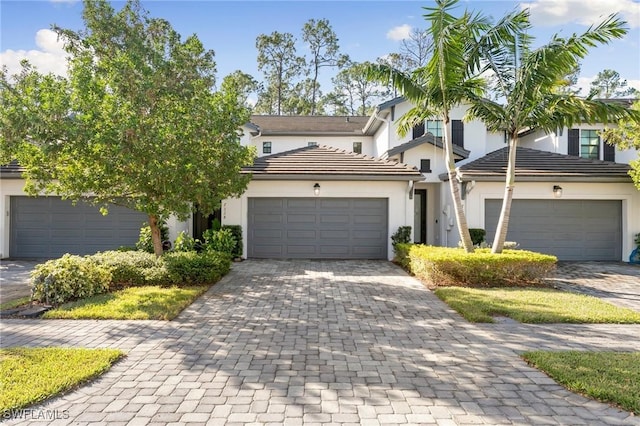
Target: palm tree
column 452, row 76
column 526, row 82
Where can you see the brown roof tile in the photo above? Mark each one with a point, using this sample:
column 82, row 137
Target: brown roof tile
column 325, row 162
column 536, row 165
column 309, row 125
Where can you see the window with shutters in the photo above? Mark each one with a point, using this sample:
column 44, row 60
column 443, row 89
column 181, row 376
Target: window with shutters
column 589, row 144
column 457, row 133
column 418, row 130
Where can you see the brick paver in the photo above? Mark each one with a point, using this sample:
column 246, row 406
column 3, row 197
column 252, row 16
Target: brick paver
column 323, row 342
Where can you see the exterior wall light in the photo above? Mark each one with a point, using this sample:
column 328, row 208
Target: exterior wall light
column 316, row 189
column 557, row 191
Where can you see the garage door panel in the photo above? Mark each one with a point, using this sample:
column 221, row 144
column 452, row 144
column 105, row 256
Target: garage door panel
column 568, row 229
column 47, row 227
column 319, row 228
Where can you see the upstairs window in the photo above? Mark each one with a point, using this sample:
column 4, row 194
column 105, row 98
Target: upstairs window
column 312, row 143
column 266, row 147
column 357, row 147
column 434, row 127
column 425, row 166
column 589, row 144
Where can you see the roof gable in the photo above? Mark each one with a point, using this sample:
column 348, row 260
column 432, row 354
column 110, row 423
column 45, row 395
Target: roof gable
column 458, row 151
column 536, row 165
column 328, row 163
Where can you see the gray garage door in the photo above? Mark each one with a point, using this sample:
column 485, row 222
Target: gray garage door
column 568, row 229
column 47, row 227
column 318, row 228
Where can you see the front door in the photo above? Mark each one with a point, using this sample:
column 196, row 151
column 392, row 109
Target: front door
column 420, row 216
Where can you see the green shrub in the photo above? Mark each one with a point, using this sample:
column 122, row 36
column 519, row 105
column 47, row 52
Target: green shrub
column 477, row 235
column 145, row 242
column 69, row 278
column 221, row 241
column 185, row 242
column 128, row 268
column 637, row 240
column 196, row 268
column 236, row 231
column 445, row 266
column 402, row 254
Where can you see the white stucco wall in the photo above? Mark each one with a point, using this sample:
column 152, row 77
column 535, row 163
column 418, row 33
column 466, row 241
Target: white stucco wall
column 234, row 211
column 630, row 196
column 15, row 187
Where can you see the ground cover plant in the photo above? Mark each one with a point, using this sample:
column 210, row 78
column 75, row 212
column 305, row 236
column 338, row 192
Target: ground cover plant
column 133, row 303
column 533, row 305
column 31, row 375
column 612, row 377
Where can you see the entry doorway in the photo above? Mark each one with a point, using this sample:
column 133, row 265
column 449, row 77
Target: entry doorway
column 420, row 216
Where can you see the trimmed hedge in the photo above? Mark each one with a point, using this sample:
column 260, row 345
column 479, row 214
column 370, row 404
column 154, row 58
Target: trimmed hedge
column 74, row 277
column 445, row 266
column 69, row 278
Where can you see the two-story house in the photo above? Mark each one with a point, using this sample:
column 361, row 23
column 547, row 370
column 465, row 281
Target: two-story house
column 339, row 187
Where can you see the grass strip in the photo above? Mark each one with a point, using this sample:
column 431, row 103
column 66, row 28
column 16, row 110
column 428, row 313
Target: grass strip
column 534, row 306
column 612, row 377
column 133, row 303
column 31, row 375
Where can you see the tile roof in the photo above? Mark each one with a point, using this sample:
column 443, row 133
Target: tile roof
column 11, row 171
column 327, row 163
column 459, row 152
column 309, row 125
column 535, row 165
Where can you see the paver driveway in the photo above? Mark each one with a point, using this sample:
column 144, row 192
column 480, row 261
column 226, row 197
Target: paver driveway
column 293, row 342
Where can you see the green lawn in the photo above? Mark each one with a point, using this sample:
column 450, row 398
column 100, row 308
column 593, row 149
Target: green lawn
column 15, row 303
column 533, row 305
column 30, row 375
column 612, row 377
column 133, row 303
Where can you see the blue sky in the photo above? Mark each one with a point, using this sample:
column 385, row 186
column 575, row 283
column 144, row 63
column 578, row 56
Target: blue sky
column 366, row 29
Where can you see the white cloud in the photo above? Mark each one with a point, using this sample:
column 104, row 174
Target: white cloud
column 584, row 12
column 400, row 32
column 49, row 57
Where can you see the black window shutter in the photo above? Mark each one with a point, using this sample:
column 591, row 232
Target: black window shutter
column 573, row 147
column 418, row 130
column 609, row 152
column 457, row 133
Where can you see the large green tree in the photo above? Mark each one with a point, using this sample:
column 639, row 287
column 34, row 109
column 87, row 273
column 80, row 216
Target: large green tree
column 627, row 136
column 608, row 84
column 526, row 81
column 135, row 123
column 357, row 91
column 325, row 52
column 450, row 77
column 278, row 59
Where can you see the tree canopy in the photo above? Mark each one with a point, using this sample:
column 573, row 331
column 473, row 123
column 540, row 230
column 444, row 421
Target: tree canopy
column 627, row 136
column 135, row 123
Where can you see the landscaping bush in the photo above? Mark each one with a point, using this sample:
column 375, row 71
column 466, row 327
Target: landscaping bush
column 144, row 240
column 477, row 236
column 445, row 266
column 128, row 268
column 402, row 254
column 221, row 241
column 185, row 242
column 69, row 278
column 236, row 231
column 196, row 268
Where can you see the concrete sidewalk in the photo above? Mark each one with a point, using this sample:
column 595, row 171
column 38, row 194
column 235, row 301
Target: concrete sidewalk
column 323, row 342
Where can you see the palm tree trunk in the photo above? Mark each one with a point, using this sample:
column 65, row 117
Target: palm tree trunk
column 505, row 212
column 461, row 218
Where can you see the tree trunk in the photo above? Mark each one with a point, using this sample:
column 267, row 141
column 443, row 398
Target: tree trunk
column 461, row 219
column 155, row 235
column 313, row 92
column 505, row 212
